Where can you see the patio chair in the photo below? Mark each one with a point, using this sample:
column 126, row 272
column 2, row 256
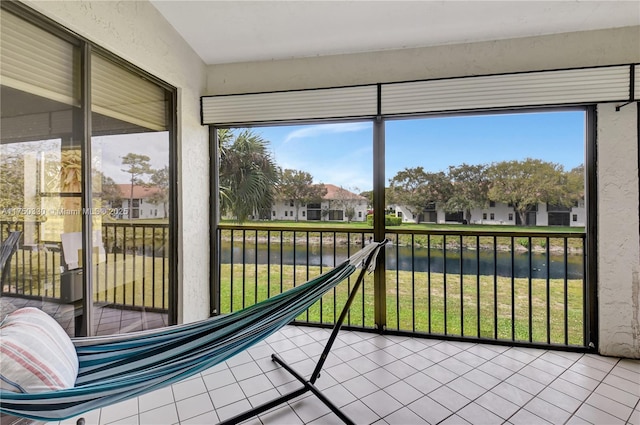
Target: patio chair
column 7, row 249
column 115, row 368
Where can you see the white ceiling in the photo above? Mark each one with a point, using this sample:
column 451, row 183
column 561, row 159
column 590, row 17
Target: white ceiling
column 242, row 30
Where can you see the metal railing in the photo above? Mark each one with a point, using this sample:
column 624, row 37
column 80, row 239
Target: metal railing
column 523, row 287
column 132, row 271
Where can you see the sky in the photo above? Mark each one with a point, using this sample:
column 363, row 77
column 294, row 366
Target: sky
column 111, row 149
column 342, row 154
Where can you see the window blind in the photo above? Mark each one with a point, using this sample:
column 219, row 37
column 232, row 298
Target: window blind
column 636, row 83
column 343, row 102
column 123, row 95
column 37, row 62
column 509, row 90
column 529, row 89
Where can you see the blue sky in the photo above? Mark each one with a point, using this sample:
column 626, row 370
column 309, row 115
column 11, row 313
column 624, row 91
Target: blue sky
column 342, row 154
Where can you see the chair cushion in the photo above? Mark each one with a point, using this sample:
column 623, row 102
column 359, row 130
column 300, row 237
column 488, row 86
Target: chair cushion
column 36, row 354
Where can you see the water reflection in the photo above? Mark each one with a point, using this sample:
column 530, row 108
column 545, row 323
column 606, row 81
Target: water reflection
column 471, row 261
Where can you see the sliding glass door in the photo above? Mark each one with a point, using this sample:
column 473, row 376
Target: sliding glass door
column 87, row 165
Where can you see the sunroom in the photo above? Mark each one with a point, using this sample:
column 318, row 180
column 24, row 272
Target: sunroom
column 114, row 118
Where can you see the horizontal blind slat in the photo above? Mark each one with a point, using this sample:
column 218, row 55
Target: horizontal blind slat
column 530, row 89
column 292, row 105
column 36, row 61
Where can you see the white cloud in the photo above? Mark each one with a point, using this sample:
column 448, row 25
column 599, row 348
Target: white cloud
column 317, row 130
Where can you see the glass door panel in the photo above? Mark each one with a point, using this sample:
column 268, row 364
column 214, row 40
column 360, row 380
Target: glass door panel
column 41, row 179
column 130, row 170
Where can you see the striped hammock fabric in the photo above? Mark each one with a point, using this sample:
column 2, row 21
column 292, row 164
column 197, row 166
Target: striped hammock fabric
column 115, row 368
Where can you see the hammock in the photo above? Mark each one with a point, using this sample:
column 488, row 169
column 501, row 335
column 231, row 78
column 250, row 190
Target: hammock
column 115, row 368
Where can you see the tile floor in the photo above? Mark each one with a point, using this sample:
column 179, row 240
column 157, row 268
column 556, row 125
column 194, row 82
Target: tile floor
column 108, row 321
column 398, row 380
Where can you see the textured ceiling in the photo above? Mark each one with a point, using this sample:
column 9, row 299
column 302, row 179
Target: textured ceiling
column 241, row 31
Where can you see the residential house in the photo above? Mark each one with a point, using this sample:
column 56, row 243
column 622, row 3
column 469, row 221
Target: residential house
column 338, row 204
column 136, row 204
column 542, row 214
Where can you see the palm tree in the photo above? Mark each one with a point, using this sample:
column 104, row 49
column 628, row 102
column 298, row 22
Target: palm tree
column 248, row 174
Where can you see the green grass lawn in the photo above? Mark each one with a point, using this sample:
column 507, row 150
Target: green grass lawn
column 416, row 302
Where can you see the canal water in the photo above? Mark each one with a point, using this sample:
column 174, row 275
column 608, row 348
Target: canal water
column 422, row 260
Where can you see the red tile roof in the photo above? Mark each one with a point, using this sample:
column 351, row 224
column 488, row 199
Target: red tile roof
column 335, row 192
column 139, row 191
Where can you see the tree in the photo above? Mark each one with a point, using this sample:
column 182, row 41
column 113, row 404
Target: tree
column 524, row 184
column 369, row 195
column 469, row 189
column 248, row 175
column 414, row 188
column 297, row 186
column 138, row 166
column 159, row 181
column 109, row 192
column 574, row 186
column 12, row 181
column 347, row 201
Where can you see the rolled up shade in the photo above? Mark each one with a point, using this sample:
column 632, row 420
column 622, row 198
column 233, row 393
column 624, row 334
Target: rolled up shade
column 342, row 102
column 35, row 61
column 125, row 96
column 509, row 90
column 527, row 89
column 636, row 83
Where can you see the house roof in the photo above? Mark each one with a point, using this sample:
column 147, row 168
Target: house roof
column 139, row 191
column 336, row 192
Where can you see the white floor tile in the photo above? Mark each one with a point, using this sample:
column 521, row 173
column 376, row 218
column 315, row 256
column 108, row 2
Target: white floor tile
column 397, row 380
column 404, row 416
column 360, row 413
column 161, row 415
column 476, row 414
column 597, row 416
column 188, row 388
column 496, row 404
column 403, row 392
column 623, row 384
column 618, row 395
column 310, row 408
column 449, row 398
column 255, row 385
column 513, row 394
column 612, row 407
column 547, row 411
column 381, row 403
column 524, row 417
column 467, row 388
column 218, row 379
column 226, row 395
column 194, row 406
column 156, row 399
column 118, row 411
column 430, row 410
column 559, row 399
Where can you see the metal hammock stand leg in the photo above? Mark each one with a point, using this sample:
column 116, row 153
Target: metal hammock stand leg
column 309, row 384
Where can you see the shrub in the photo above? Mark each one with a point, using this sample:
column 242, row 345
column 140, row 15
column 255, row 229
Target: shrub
column 389, row 220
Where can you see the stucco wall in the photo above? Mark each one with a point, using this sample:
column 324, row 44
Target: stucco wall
column 589, row 48
column 618, row 238
column 135, row 31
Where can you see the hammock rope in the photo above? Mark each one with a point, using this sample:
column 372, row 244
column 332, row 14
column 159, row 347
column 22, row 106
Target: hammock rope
column 116, row 368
